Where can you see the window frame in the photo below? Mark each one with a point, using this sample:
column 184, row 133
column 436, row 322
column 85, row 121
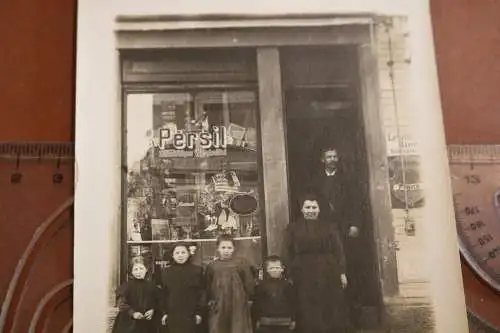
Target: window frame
column 159, row 88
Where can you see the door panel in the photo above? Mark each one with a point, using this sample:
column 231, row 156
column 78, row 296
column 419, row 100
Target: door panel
column 325, row 117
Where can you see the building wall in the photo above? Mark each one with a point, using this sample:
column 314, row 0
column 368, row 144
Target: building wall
column 391, row 46
column 395, row 108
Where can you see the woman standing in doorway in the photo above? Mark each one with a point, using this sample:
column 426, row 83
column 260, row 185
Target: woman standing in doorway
column 317, row 266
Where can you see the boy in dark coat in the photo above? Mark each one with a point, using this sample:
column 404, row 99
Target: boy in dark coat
column 274, row 306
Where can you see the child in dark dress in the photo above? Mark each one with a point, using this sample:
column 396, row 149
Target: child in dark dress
column 137, row 301
column 230, row 285
column 182, row 285
column 274, row 306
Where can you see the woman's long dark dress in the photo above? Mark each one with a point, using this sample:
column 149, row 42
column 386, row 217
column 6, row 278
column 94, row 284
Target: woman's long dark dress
column 182, row 292
column 316, row 260
column 136, row 296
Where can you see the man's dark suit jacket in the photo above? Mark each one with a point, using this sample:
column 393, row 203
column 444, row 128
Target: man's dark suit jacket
column 335, row 193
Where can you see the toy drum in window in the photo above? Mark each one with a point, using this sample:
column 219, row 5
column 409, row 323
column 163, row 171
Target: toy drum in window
column 243, row 204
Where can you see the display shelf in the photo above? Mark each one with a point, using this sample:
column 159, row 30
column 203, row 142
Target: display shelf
column 201, row 240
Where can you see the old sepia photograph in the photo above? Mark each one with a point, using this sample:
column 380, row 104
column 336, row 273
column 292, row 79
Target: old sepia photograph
column 270, row 176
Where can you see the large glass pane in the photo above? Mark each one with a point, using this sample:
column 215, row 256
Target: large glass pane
column 192, row 174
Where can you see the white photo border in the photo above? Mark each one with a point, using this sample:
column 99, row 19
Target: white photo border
column 99, row 133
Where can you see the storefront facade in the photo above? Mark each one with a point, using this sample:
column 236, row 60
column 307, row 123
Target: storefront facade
column 268, row 92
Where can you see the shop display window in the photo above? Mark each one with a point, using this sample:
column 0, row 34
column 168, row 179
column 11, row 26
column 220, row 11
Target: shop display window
column 192, row 174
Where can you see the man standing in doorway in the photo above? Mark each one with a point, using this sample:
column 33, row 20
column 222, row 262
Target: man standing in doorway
column 331, row 181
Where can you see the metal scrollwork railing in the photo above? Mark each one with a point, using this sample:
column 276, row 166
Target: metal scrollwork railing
column 17, row 286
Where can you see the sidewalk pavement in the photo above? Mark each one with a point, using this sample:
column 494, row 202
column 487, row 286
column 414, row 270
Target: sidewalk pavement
column 408, row 312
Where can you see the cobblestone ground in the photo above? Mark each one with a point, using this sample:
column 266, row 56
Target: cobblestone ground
column 411, row 318
column 404, row 318
column 407, row 314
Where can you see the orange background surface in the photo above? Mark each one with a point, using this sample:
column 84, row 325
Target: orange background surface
column 467, row 42
column 37, row 62
column 37, row 102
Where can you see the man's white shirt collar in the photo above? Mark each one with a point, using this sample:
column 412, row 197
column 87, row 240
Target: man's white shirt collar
column 330, row 173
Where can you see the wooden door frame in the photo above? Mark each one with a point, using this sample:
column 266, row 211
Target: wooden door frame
column 376, row 152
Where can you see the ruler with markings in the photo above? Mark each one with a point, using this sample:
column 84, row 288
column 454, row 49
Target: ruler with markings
column 475, row 178
column 36, row 190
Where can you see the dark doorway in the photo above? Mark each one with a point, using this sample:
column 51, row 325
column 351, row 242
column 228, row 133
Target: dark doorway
column 316, row 119
column 322, row 109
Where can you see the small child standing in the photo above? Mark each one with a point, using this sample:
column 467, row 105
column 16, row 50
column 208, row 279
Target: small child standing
column 275, row 301
column 182, row 290
column 137, row 301
column 230, row 286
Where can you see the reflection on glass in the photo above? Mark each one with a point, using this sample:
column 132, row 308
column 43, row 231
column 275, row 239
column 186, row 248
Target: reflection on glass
column 189, row 155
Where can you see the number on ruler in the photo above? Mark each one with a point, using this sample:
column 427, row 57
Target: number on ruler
column 493, row 253
column 57, row 178
column 477, row 225
column 471, row 210
column 473, row 179
column 485, row 239
column 16, row 178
